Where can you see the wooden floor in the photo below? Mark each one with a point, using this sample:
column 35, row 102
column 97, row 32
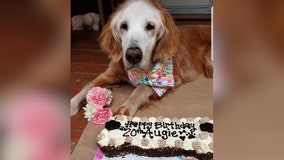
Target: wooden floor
column 87, row 62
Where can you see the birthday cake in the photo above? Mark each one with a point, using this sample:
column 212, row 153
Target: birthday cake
column 157, row 137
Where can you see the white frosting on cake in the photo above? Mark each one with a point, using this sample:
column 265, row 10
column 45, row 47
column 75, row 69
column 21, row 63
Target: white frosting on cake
column 176, row 137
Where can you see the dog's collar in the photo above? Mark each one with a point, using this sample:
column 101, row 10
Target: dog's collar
column 161, row 78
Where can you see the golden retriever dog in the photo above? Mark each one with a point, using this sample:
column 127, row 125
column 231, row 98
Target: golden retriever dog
column 139, row 34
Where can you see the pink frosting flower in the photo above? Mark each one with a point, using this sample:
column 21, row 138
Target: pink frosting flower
column 99, row 96
column 102, row 115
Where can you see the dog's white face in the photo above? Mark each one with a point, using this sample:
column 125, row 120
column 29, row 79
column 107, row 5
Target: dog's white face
column 138, row 26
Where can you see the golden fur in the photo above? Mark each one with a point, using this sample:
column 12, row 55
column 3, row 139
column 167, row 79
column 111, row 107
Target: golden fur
column 190, row 46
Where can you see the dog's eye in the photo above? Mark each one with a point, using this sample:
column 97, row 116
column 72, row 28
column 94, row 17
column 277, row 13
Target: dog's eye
column 150, row 27
column 124, row 26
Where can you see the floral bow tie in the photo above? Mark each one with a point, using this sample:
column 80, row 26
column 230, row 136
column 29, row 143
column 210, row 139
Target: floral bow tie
column 161, row 78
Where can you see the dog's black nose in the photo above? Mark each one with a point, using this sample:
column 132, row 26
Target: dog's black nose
column 133, row 55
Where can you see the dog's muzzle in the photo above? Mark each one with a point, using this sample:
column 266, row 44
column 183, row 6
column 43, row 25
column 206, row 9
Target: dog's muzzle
column 133, row 55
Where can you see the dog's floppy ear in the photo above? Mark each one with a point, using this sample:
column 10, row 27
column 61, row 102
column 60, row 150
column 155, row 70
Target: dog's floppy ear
column 170, row 41
column 109, row 43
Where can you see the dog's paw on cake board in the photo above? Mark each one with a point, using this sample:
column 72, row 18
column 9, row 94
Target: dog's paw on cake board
column 156, row 138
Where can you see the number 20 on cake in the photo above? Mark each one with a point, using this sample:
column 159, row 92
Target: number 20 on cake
column 157, row 137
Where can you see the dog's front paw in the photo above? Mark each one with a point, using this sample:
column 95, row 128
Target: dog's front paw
column 122, row 110
column 77, row 101
column 74, row 107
